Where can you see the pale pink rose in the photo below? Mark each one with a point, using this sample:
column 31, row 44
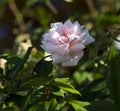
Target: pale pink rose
column 65, row 42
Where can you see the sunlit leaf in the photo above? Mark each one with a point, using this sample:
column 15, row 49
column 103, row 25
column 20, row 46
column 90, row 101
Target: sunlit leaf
column 65, row 86
column 59, row 93
column 79, row 105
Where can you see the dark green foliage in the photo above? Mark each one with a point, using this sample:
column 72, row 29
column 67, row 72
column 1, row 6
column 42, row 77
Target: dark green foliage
column 114, row 75
column 43, row 68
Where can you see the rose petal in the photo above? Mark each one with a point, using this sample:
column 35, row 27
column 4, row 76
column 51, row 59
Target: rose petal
column 68, row 28
column 87, row 38
column 53, row 34
column 77, row 28
column 53, row 48
column 78, row 39
column 73, row 61
column 58, row 27
column 68, row 24
column 76, row 48
column 59, row 58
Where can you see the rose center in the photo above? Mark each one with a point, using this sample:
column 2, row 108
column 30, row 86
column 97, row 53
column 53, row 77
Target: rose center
column 64, row 39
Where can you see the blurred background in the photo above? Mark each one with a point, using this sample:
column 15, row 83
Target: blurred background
column 26, row 20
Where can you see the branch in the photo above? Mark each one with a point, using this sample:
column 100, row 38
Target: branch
column 18, row 15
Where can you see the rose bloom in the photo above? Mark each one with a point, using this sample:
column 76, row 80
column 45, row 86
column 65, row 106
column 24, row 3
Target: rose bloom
column 65, row 42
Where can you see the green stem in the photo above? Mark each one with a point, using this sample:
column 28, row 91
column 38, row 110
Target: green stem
column 28, row 99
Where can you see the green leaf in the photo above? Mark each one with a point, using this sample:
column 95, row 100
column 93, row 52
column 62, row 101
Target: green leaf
column 59, row 93
column 15, row 64
column 47, row 105
column 114, row 75
column 66, row 80
column 35, row 82
column 79, row 105
column 94, row 85
column 61, row 105
column 50, row 105
column 94, row 89
column 62, row 84
column 12, row 65
column 43, row 68
column 113, row 53
column 37, row 107
column 53, row 105
column 25, row 58
column 81, row 77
